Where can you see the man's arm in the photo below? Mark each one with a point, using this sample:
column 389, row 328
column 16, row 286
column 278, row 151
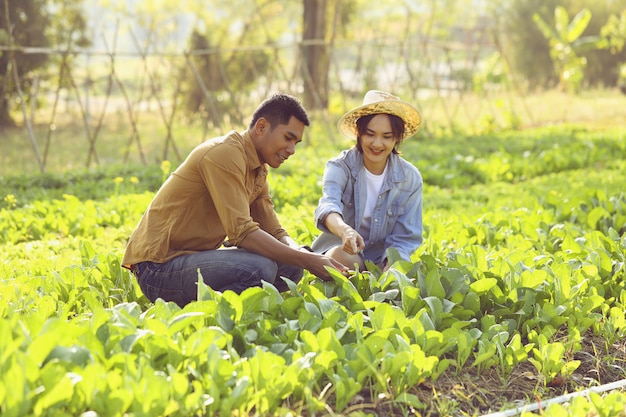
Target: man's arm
column 287, row 240
column 264, row 244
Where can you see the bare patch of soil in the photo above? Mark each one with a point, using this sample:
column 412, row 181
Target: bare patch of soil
column 474, row 392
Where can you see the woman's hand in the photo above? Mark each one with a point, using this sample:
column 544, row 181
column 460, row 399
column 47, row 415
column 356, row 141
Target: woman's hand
column 351, row 241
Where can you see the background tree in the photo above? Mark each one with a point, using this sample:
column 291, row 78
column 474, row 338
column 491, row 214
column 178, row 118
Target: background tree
column 233, row 52
column 33, row 23
column 602, row 64
column 22, row 23
column 321, row 20
column 567, row 44
column 523, row 42
column 315, row 53
column 529, row 53
column 216, row 73
column 614, row 31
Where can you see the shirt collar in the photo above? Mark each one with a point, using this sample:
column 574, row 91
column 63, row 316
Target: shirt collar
column 395, row 172
column 253, row 158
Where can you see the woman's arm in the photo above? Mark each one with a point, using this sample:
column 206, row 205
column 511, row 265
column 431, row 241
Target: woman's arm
column 352, row 241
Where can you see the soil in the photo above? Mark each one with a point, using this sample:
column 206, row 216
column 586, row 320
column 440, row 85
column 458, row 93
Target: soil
column 474, row 392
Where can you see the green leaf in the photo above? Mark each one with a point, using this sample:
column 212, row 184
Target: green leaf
column 483, row 285
column 313, row 310
column 436, row 309
column 455, row 281
column 432, row 285
column 533, row 278
column 545, row 29
column 345, row 389
column 595, row 215
column 348, row 290
column 253, row 300
column 485, row 354
column 58, row 390
column 578, row 25
column 205, row 293
column 78, row 355
column 184, row 320
column 472, row 302
column 410, row 298
column 311, row 342
column 561, row 22
column 384, row 317
column 411, row 400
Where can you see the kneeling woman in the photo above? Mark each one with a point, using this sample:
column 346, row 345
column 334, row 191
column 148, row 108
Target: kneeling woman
column 372, row 198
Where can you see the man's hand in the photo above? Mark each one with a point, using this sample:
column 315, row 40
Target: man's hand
column 318, row 263
column 287, row 251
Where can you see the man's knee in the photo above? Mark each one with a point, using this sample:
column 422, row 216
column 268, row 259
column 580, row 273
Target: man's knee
column 291, row 272
column 267, row 270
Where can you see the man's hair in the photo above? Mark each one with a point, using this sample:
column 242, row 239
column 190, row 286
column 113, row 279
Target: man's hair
column 397, row 129
column 278, row 109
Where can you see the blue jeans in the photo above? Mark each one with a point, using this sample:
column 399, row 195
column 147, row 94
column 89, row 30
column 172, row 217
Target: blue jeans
column 223, row 269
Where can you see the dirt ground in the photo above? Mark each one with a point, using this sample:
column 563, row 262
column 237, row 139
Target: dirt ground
column 474, row 392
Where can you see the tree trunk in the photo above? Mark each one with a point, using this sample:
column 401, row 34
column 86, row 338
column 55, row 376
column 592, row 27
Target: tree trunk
column 5, row 116
column 316, row 55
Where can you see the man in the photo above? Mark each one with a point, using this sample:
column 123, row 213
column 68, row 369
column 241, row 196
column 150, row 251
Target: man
column 214, row 215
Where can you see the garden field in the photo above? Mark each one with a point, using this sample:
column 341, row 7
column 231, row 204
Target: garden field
column 517, row 296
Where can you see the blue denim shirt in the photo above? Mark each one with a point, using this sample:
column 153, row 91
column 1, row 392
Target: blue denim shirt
column 397, row 217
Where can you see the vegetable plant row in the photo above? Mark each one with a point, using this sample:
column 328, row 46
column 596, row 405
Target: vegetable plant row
column 523, row 262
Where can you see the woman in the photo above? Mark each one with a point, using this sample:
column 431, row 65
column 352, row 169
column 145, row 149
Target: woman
column 372, row 198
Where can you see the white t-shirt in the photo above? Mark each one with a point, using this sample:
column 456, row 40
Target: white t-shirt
column 374, row 182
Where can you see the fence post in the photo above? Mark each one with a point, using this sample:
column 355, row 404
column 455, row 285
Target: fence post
column 16, row 79
column 29, row 127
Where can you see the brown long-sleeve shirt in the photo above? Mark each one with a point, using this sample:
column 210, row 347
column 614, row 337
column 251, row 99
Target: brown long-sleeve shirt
column 219, row 192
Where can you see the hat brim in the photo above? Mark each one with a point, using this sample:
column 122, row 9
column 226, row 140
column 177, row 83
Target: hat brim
column 408, row 113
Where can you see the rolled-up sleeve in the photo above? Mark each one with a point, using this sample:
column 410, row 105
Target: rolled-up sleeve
column 262, row 211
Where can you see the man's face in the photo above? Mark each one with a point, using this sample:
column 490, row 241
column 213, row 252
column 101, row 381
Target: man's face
column 278, row 144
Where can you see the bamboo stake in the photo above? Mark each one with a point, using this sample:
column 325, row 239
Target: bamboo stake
column 169, row 139
column 29, row 127
column 540, row 405
column 18, row 88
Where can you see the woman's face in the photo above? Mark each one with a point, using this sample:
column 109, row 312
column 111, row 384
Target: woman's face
column 377, row 143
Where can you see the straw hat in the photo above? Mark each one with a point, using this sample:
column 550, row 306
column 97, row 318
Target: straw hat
column 376, row 102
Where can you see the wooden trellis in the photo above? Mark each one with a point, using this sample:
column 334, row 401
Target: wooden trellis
column 407, row 67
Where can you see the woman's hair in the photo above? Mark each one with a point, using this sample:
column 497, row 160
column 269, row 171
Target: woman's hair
column 397, row 129
column 278, row 109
